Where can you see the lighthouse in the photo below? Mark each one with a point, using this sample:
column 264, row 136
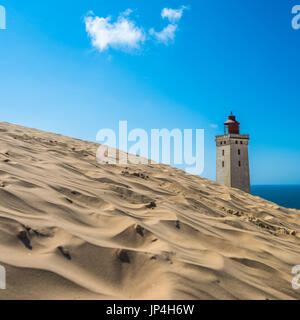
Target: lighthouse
column 232, row 156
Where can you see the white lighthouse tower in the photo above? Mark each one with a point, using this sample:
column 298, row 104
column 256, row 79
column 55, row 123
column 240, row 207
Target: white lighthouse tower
column 232, row 156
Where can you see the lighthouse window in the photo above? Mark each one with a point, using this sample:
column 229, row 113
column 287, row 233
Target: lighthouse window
column 236, row 142
column 223, row 152
column 223, row 164
column 239, row 163
column 224, row 142
column 241, row 142
column 239, row 152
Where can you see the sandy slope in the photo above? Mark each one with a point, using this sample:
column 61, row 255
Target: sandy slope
column 73, row 229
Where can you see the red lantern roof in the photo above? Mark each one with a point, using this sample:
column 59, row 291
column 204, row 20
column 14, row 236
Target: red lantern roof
column 231, row 125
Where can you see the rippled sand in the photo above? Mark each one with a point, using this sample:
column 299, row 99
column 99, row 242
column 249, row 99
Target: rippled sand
column 71, row 228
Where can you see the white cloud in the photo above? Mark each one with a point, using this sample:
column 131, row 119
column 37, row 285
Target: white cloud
column 173, row 15
column 214, row 126
column 122, row 34
column 126, row 13
column 166, row 35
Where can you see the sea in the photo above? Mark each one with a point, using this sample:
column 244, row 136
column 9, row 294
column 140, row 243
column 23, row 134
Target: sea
column 284, row 195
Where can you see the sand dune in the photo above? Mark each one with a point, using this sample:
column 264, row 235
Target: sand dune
column 71, row 228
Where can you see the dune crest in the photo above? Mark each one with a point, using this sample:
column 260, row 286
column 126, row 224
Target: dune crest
column 71, row 228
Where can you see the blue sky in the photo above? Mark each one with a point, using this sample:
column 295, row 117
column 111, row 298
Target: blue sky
column 226, row 55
